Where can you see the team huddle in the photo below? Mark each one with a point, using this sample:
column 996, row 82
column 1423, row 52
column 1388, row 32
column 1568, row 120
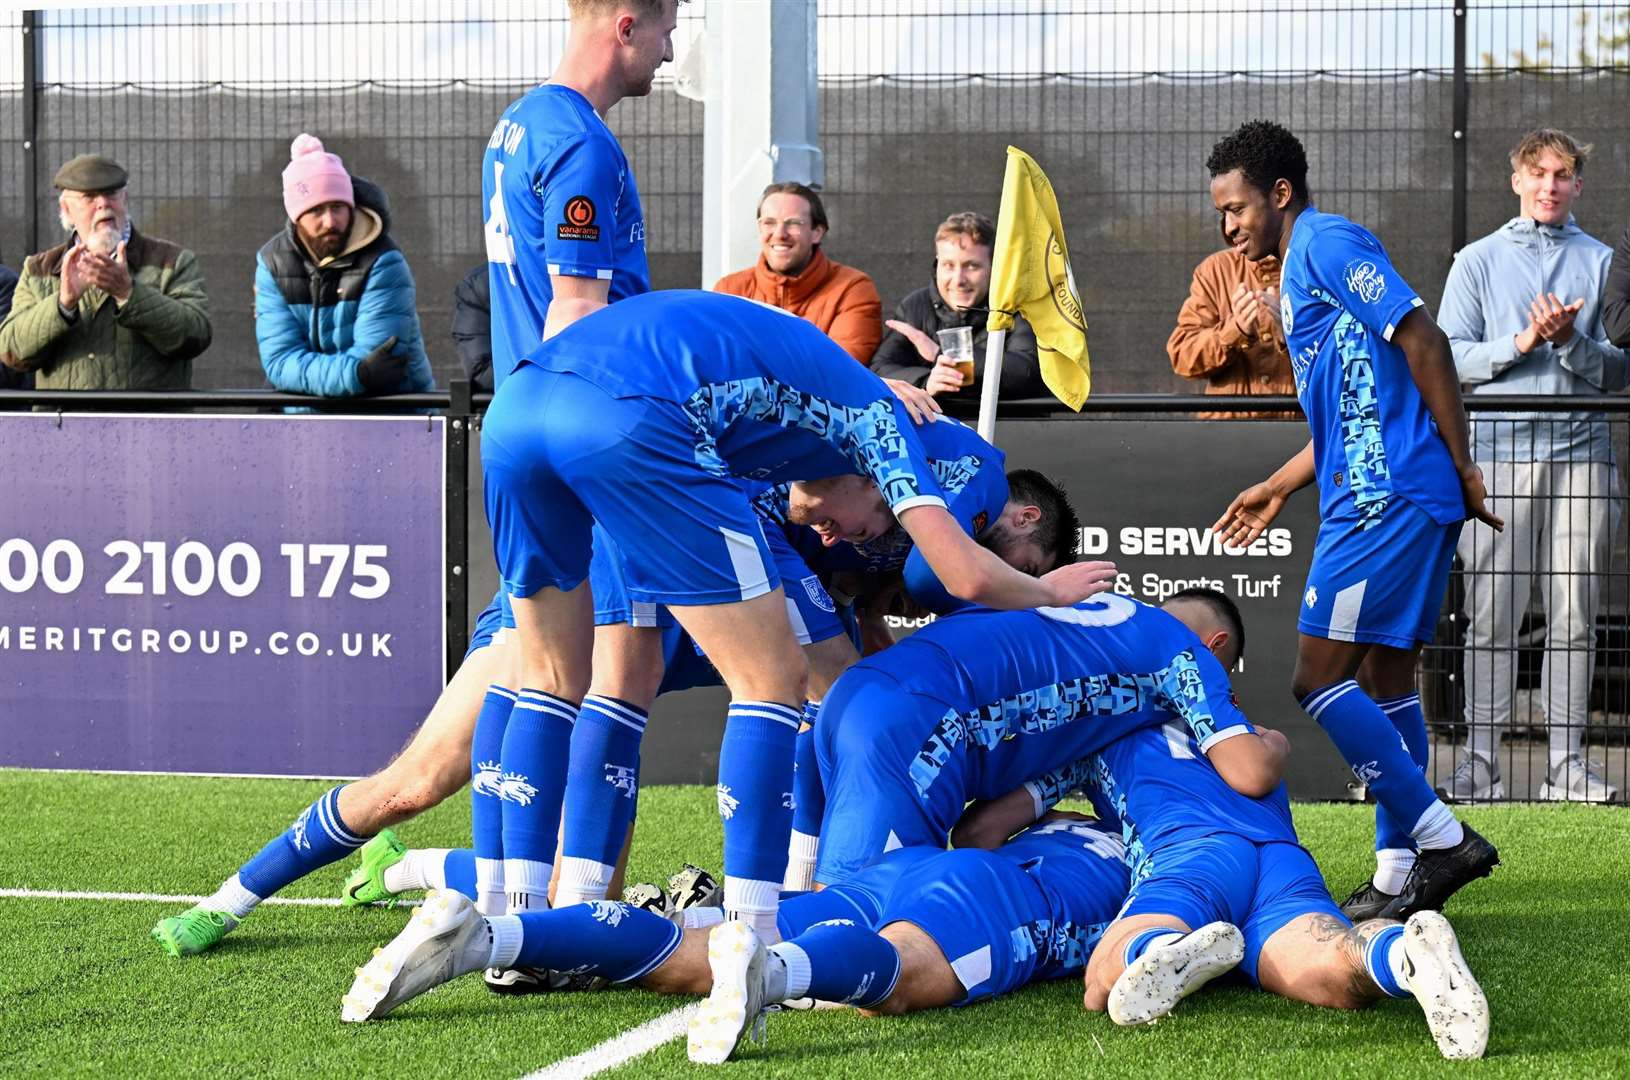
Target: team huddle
column 795, row 493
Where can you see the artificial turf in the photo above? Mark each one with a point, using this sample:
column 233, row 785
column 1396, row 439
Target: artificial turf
column 83, row 989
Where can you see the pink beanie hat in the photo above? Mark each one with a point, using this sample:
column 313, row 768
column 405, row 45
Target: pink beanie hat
column 313, row 177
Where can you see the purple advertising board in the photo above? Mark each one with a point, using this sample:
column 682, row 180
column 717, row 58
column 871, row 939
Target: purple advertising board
column 259, row 595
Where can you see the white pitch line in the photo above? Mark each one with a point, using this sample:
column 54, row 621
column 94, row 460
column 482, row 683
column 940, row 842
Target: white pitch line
column 608, row 1055
column 167, row 898
column 625, row 1047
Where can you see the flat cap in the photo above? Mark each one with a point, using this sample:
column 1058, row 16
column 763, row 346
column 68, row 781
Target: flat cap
column 91, row 172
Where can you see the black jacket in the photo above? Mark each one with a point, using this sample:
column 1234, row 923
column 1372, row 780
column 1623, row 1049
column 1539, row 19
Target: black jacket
column 897, row 358
column 1616, row 297
column 472, row 327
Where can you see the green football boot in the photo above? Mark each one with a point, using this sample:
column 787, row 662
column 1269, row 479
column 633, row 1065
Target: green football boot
column 193, row 931
column 366, row 884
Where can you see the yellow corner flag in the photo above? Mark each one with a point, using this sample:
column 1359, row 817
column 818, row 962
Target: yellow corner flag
column 1030, row 274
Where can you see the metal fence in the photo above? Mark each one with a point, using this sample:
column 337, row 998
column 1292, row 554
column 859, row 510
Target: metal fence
column 1407, row 110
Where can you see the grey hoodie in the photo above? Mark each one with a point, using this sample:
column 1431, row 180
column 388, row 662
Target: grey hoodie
column 1485, row 306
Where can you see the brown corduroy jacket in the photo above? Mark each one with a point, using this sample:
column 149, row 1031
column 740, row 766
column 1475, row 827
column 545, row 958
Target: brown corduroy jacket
column 839, row 299
column 1208, row 345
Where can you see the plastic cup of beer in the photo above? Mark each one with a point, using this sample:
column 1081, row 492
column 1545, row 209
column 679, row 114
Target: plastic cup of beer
column 956, row 345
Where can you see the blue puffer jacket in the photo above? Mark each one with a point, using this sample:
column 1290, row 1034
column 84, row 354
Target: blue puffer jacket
column 316, row 323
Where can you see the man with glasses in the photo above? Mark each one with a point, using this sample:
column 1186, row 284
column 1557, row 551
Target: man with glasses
column 795, row 275
column 109, row 308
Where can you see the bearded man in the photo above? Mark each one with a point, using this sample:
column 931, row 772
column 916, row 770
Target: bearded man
column 109, row 308
column 335, row 308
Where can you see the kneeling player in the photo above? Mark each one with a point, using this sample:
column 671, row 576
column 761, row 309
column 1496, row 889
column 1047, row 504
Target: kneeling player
column 977, row 704
column 1220, row 880
column 920, row 929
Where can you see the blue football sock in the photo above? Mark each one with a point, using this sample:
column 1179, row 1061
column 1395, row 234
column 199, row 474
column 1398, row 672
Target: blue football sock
column 614, row 940
column 1383, row 959
column 486, row 810
column 537, row 748
column 603, row 780
column 1373, row 750
column 1406, row 716
column 808, row 793
column 458, row 871
column 317, row 837
column 755, row 803
column 840, row 961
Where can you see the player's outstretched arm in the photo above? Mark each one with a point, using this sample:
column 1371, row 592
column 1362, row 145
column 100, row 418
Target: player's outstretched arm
column 1251, row 764
column 979, row 576
column 1254, row 509
column 1432, row 365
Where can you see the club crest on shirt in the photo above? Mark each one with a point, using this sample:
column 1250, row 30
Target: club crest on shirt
column 818, row 594
column 1365, row 281
column 1285, row 318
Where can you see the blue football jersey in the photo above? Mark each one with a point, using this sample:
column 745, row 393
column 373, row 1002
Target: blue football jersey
column 1027, row 692
column 1373, row 438
column 1157, row 783
column 767, row 395
column 972, row 476
column 558, row 197
column 1080, row 867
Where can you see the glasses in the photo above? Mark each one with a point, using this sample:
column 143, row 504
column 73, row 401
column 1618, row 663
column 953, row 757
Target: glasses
column 792, row 225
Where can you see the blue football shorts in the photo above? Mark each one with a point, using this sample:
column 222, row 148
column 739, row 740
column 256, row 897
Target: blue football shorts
column 882, row 791
column 559, row 454
column 981, row 910
column 1211, row 877
column 810, row 608
column 1383, row 585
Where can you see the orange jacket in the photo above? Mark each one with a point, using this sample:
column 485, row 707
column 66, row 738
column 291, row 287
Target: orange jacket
column 839, row 299
column 1208, row 345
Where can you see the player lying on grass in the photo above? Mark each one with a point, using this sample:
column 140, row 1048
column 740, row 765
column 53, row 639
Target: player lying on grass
column 920, row 929
column 980, row 702
column 1219, row 880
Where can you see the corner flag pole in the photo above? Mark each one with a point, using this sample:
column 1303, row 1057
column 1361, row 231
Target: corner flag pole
column 991, row 386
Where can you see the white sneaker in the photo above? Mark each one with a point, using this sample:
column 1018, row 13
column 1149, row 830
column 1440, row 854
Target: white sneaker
column 1166, row 974
column 1475, row 779
column 429, row 951
column 735, row 1009
column 1456, row 1010
column 1576, row 780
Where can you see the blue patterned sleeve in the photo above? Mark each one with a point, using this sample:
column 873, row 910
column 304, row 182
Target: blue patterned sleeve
column 1352, row 268
column 1196, row 690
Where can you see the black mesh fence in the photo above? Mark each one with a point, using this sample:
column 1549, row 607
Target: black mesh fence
column 1119, row 103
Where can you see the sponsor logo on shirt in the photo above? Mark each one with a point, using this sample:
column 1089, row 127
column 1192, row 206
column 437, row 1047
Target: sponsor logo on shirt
column 980, row 520
column 579, row 223
column 1365, row 281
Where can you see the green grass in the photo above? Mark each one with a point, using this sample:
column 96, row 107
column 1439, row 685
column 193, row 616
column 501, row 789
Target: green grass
column 84, row 990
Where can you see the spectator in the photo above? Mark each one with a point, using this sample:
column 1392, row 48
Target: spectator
column 1550, row 475
column 472, row 328
column 794, row 274
column 335, row 312
column 1228, row 331
column 110, row 308
column 1616, row 301
column 958, row 297
column 10, row 379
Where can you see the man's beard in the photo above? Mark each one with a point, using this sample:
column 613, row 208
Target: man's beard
column 104, row 238
column 325, row 245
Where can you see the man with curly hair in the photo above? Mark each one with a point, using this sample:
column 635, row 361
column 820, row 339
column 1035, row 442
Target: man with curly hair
column 1396, row 480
